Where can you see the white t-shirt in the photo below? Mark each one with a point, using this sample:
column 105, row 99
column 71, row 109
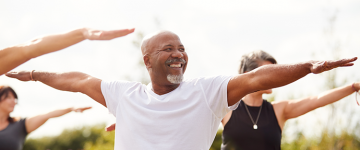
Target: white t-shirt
column 186, row 118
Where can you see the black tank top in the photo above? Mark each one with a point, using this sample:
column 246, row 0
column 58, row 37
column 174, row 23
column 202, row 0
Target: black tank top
column 239, row 133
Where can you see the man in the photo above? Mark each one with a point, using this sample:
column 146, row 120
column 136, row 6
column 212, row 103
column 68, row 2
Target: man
column 170, row 113
column 14, row 56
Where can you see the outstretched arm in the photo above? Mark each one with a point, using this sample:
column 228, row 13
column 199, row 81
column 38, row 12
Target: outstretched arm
column 272, row 76
column 68, row 81
column 14, row 56
column 35, row 122
column 294, row 108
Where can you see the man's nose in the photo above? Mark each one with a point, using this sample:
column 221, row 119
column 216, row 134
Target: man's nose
column 177, row 54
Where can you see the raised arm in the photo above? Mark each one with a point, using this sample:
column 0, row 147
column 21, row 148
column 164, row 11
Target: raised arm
column 12, row 57
column 68, row 81
column 272, row 76
column 32, row 123
column 294, row 108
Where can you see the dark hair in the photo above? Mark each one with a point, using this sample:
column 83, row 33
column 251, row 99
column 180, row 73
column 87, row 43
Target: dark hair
column 4, row 93
column 251, row 60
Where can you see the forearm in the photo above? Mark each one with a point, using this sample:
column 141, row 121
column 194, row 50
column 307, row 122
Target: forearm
column 272, row 76
column 53, row 43
column 58, row 113
column 295, row 108
column 68, row 81
column 331, row 96
column 13, row 56
column 32, row 123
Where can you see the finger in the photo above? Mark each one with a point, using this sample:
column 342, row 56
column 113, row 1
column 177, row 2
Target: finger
column 11, row 74
column 348, row 64
column 342, row 62
column 116, row 33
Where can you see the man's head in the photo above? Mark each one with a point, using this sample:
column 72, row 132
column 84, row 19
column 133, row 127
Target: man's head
column 165, row 57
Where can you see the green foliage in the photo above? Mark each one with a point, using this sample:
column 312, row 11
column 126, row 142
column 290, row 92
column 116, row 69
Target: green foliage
column 217, row 141
column 95, row 138
column 74, row 139
column 327, row 141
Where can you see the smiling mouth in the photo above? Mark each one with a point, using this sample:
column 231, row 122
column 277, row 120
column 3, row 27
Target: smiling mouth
column 175, row 65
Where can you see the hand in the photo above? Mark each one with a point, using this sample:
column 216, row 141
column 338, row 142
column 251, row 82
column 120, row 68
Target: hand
column 321, row 66
column 110, row 128
column 92, row 34
column 81, row 109
column 20, row 75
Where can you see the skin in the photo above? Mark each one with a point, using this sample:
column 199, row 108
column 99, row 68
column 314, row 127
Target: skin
column 8, row 103
column 158, row 49
column 285, row 110
column 13, row 56
column 166, row 45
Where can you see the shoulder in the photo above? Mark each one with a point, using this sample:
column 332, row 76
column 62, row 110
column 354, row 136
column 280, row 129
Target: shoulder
column 279, row 106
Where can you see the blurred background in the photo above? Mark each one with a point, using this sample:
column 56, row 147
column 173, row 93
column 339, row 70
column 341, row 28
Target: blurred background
column 215, row 35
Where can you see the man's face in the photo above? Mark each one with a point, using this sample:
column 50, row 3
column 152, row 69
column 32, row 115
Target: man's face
column 167, row 57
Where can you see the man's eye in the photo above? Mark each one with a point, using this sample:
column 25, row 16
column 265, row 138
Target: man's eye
column 168, row 49
column 182, row 49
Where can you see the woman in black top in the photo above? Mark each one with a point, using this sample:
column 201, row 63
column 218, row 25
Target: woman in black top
column 257, row 124
column 14, row 130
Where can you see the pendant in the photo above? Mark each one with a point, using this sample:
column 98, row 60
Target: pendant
column 255, row 126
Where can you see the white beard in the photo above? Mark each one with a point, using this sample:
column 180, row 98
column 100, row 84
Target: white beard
column 175, row 79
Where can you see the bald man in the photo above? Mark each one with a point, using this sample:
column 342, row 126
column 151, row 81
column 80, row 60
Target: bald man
column 170, row 113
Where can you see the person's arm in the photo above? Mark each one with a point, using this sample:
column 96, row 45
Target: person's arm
column 12, row 57
column 68, row 81
column 294, row 108
column 32, row 123
column 276, row 75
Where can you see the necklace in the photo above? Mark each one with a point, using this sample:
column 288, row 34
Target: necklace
column 255, row 126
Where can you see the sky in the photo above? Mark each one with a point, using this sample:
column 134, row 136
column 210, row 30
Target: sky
column 214, row 33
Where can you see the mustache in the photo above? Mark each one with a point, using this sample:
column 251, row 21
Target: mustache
column 175, row 60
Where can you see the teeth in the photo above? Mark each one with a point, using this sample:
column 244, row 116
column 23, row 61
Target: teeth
column 175, row 65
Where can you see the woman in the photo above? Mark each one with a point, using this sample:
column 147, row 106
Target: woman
column 256, row 123
column 14, row 130
column 14, row 56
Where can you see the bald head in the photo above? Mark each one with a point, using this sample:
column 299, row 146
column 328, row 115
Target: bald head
column 155, row 40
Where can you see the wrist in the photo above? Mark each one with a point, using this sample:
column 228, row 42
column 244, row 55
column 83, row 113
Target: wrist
column 309, row 65
column 355, row 87
column 84, row 33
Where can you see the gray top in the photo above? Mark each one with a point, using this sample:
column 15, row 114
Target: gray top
column 13, row 136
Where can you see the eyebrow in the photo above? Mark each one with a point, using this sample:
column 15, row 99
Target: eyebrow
column 172, row 45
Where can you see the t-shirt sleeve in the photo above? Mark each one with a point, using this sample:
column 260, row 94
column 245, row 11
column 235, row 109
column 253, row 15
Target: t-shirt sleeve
column 113, row 91
column 215, row 89
column 23, row 126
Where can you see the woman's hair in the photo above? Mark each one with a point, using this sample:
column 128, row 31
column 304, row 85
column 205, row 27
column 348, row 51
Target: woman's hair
column 4, row 93
column 252, row 60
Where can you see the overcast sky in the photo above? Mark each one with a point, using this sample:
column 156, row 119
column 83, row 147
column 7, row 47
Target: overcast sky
column 214, row 33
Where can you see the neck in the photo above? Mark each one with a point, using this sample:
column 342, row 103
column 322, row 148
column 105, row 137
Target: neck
column 163, row 89
column 3, row 117
column 253, row 99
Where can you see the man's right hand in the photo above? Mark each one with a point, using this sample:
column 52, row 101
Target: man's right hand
column 322, row 66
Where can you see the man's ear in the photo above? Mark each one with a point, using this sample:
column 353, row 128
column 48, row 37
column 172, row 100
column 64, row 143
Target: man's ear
column 146, row 59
